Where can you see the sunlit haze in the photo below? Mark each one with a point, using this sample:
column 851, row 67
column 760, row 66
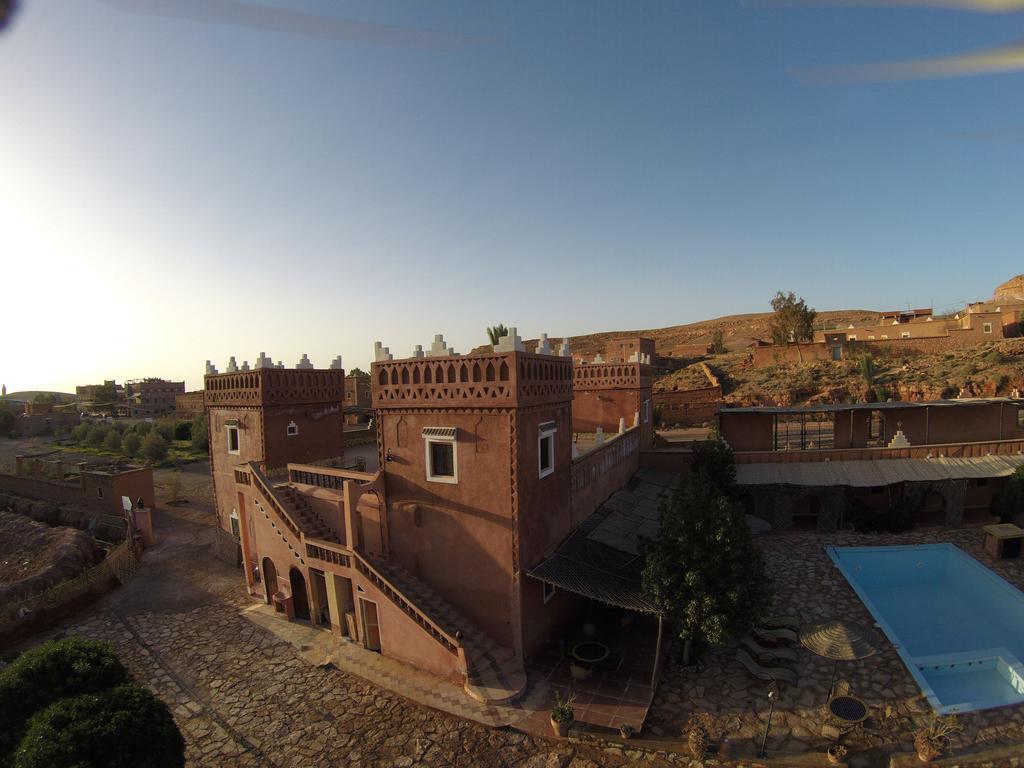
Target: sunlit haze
column 179, row 188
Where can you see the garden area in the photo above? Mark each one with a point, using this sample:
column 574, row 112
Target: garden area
column 167, row 442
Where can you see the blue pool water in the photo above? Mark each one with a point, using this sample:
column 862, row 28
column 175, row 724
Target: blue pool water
column 958, row 626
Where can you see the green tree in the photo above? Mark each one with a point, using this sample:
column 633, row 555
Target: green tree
column 715, row 462
column 165, row 428
column 793, row 319
column 105, row 395
column 122, row 727
column 357, row 371
column 183, row 430
column 1009, row 502
column 867, row 370
column 47, row 673
column 143, row 428
column 704, row 570
column 130, row 444
column 6, row 420
column 97, row 434
column 46, row 398
column 112, row 442
column 81, row 432
column 494, row 333
column 718, row 343
column 200, row 434
column 154, row 448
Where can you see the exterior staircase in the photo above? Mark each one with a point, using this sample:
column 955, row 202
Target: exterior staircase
column 493, row 675
column 305, row 516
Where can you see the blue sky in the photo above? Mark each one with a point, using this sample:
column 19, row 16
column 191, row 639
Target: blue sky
column 176, row 189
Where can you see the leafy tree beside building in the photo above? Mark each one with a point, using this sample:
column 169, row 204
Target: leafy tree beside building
column 793, row 319
column 704, row 571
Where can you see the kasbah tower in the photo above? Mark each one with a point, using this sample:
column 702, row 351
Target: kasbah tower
column 426, row 559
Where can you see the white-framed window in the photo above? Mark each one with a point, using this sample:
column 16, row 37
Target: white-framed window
column 441, row 454
column 293, row 429
column 986, row 328
column 851, row 337
column 546, row 448
column 645, row 408
column 232, row 435
column 905, row 335
column 549, row 592
column 236, row 529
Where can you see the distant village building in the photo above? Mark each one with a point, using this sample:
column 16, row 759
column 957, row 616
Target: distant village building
column 189, row 405
column 150, row 397
column 358, row 399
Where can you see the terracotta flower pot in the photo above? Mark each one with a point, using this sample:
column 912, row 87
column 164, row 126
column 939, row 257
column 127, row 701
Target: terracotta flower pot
column 926, row 751
column 560, row 728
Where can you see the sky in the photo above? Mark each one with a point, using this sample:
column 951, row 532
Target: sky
column 180, row 184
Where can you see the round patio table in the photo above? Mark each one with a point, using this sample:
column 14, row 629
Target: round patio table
column 590, row 652
column 849, row 709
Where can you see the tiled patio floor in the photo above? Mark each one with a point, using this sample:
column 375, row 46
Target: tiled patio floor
column 613, row 694
column 808, row 586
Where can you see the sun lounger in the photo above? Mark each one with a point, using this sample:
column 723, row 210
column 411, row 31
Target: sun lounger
column 780, row 653
column 777, row 635
column 778, row 674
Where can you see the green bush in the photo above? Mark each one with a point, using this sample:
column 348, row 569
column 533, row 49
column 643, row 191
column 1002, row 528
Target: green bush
column 154, row 448
column 97, row 434
column 200, row 434
column 143, row 428
column 165, row 430
column 81, row 432
column 112, row 442
column 130, row 444
column 47, row 673
column 123, row 727
column 183, row 430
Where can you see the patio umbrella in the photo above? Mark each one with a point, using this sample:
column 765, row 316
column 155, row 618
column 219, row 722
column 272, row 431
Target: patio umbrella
column 840, row 641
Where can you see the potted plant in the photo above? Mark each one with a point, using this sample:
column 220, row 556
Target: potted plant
column 836, row 753
column 625, row 731
column 931, row 740
column 562, row 714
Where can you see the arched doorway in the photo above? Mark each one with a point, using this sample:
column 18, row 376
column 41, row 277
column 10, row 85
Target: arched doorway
column 300, row 599
column 269, row 579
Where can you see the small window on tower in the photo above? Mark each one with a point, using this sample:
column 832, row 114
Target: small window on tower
column 987, row 327
column 293, row 429
column 441, row 454
column 546, row 448
column 232, row 439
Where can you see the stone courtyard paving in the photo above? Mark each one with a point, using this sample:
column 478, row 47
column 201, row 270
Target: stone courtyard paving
column 243, row 697
column 808, row 586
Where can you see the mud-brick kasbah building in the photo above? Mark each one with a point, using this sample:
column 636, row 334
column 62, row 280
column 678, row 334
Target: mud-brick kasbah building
column 487, row 463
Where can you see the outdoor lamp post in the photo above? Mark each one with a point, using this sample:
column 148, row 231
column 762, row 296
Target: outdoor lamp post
column 773, row 693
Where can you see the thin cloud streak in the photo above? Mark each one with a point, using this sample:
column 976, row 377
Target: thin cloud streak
column 1001, row 60
column 975, row 6
column 238, row 14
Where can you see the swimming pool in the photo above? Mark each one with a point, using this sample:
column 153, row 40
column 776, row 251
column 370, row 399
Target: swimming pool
column 958, row 626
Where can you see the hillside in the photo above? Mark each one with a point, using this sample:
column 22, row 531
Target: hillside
column 29, row 395
column 738, row 331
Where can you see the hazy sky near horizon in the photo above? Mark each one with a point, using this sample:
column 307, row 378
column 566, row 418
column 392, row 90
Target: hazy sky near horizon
column 177, row 188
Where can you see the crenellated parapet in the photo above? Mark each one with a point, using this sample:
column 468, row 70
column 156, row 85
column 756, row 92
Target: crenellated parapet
column 596, row 376
column 273, row 386
column 487, row 380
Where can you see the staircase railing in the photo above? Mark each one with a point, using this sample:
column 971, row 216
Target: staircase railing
column 452, row 642
column 261, row 481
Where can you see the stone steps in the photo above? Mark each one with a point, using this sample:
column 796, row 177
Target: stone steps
column 493, row 673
